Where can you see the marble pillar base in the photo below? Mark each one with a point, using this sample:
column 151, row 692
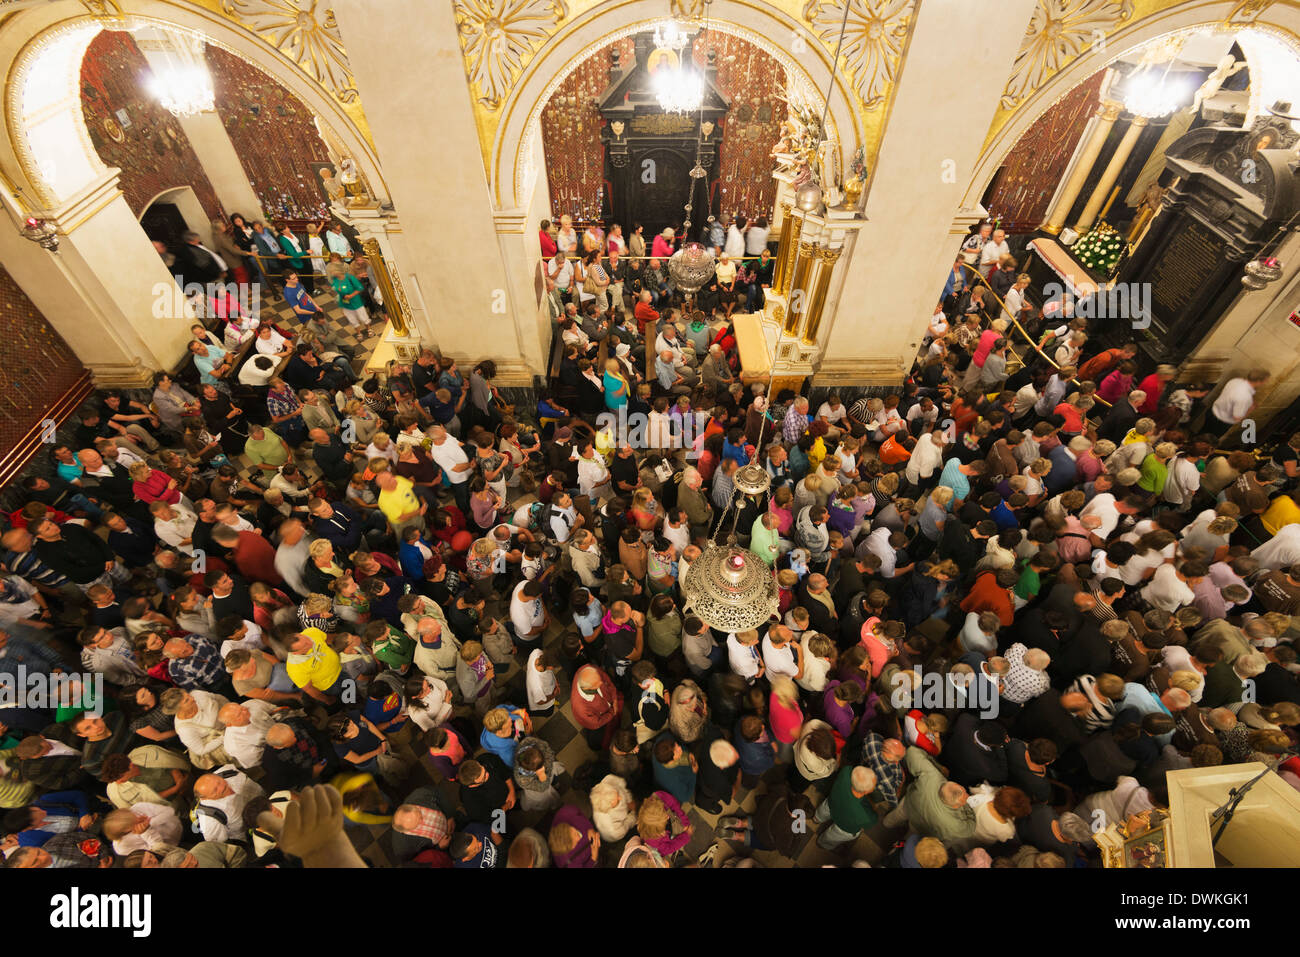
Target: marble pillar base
column 393, row 347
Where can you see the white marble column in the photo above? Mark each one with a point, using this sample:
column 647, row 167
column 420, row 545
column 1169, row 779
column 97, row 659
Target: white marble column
column 1110, row 174
column 894, row 273
column 105, row 290
column 417, row 101
column 1094, row 137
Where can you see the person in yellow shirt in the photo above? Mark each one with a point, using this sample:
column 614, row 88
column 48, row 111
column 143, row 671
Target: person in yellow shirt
column 1282, row 511
column 313, row 666
column 399, row 503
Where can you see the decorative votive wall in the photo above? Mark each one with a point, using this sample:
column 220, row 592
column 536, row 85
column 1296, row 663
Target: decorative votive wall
column 37, row 367
column 130, row 130
column 274, row 135
column 1023, row 187
column 753, row 80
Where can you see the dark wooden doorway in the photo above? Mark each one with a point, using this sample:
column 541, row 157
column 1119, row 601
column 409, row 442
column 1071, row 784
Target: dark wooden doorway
column 661, row 182
column 163, row 222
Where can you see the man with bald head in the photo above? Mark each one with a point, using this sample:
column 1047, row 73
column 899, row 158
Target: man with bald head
column 112, row 483
column 932, row 805
column 296, row 754
column 331, row 456
column 221, row 799
column 247, row 724
column 436, row 650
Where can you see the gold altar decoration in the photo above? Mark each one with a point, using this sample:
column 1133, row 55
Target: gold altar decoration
column 812, row 324
column 395, row 304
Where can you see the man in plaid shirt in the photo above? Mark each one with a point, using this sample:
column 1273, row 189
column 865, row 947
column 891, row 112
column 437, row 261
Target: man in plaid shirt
column 194, row 663
column 885, row 757
column 795, row 423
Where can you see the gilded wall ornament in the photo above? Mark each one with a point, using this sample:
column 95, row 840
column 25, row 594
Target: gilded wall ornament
column 1058, row 32
column 306, row 32
column 496, row 36
column 686, row 9
column 874, row 35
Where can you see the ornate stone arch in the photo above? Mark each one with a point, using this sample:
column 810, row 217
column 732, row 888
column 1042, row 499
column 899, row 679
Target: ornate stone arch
column 1281, row 20
column 64, row 25
column 791, row 41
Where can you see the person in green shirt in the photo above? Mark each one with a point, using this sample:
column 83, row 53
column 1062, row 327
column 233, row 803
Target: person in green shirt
column 266, row 449
column 392, row 646
column 847, row 811
column 1155, row 468
column 765, row 537
column 350, row 293
column 293, row 256
column 1030, row 582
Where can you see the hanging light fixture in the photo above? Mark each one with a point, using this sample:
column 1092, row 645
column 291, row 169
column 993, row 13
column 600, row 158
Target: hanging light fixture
column 678, row 89
column 693, row 265
column 42, row 233
column 1267, row 268
column 183, row 83
column 728, row 587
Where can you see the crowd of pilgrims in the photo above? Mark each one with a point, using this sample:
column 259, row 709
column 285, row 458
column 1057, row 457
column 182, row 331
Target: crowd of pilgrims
column 415, row 578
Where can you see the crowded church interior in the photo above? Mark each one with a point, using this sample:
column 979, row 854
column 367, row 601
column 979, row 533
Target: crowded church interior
column 669, row 434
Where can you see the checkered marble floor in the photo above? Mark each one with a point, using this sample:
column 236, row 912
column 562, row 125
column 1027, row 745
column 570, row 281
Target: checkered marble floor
column 362, row 341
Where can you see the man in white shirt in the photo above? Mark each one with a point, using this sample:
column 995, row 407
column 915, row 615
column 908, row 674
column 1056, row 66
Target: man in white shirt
column 291, row 554
column 563, row 518
column 527, row 611
column 539, row 683
column 246, row 726
column 451, row 458
column 1235, row 402
column 677, row 529
column 780, row 653
column 743, row 655
column 174, row 524
column 197, row 724
column 222, row 797
column 593, row 476
column 832, row 412
column 993, row 250
column 1170, row 588
column 271, row 343
column 257, row 371
column 560, row 272
column 1104, row 506
column 927, row 455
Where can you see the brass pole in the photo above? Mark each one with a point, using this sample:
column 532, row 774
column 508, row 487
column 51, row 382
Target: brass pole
column 394, row 304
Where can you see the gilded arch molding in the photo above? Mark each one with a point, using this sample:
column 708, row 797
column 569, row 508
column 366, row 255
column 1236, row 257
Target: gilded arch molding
column 1094, row 34
column 514, row 51
column 294, row 41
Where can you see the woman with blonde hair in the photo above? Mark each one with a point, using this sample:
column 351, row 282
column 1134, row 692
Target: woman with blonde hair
column 662, row 825
column 786, row 716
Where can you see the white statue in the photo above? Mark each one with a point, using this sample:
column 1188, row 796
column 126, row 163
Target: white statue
column 1228, row 67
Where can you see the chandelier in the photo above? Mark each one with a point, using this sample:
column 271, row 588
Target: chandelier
column 691, row 267
column 182, row 82
column 728, row 587
column 678, row 89
column 1150, row 96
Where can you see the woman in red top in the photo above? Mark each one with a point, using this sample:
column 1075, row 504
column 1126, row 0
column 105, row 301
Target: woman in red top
column 992, row 592
column 151, row 485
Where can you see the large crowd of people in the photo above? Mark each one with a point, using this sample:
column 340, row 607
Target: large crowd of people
column 404, row 586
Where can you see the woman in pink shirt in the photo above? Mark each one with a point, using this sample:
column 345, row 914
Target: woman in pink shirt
column 1118, row 384
column 662, row 247
column 784, row 715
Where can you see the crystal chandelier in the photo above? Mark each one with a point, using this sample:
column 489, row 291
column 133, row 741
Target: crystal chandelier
column 678, row 90
column 182, row 83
